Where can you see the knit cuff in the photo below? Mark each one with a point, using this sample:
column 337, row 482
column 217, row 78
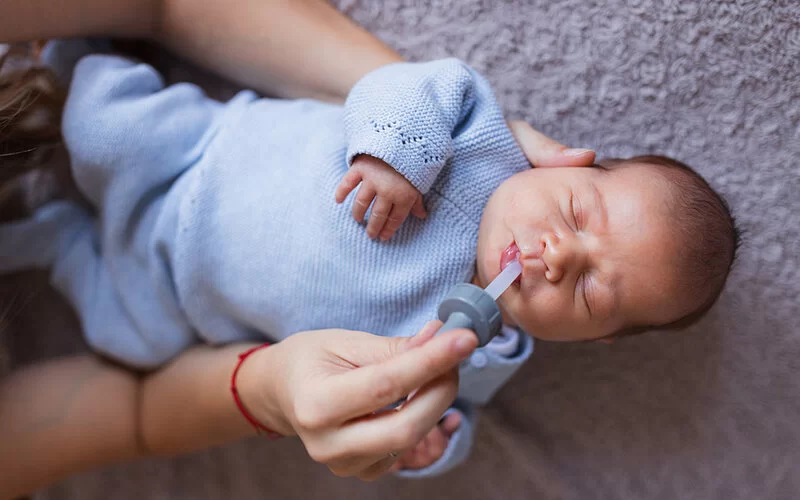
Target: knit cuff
column 485, row 371
column 405, row 114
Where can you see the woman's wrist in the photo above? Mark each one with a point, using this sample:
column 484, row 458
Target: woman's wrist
column 258, row 385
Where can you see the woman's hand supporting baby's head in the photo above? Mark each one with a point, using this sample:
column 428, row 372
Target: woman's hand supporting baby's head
column 544, row 152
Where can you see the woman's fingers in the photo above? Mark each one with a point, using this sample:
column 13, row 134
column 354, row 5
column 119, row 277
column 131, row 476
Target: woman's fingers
column 397, row 430
column 378, row 384
column 378, row 469
column 362, row 349
column 357, row 465
column 543, row 151
column 344, row 421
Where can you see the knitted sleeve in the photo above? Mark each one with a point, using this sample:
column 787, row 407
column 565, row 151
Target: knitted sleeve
column 120, row 116
column 407, row 115
column 485, row 372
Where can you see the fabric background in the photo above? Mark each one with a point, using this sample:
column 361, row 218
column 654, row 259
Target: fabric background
column 711, row 413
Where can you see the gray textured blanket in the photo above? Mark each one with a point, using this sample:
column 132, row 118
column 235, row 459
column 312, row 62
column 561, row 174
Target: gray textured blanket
column 712, row 413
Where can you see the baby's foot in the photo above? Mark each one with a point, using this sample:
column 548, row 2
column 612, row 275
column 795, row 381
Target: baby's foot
column 432, row 446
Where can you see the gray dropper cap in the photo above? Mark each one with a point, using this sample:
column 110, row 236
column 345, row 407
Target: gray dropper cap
column 469, row 306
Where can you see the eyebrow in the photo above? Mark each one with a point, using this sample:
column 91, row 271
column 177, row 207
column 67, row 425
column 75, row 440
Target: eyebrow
column 611, row 284
column 614, row 307
column 601, row 204
column 616, row 298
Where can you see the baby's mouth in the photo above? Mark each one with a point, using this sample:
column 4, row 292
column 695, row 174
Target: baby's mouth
column 509, row 255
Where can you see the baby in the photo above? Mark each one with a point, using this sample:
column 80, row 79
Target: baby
column 218, row 222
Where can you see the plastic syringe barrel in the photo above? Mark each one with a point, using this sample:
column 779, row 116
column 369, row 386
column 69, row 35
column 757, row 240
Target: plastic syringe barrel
column 469, row 306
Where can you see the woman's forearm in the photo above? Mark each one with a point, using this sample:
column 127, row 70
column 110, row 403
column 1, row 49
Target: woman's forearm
column 187, row 405
column 27, row 20
column 61, row 417
column 287, row 48
column 66, row 416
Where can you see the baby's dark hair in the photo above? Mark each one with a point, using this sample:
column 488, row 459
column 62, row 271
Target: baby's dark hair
column 709, row 236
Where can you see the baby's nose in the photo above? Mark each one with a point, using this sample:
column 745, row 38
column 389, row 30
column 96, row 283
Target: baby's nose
column 557, row 256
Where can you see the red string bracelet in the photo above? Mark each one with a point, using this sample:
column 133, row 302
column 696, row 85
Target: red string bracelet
column 255, row 423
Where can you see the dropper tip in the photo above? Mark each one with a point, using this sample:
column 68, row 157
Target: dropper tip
column 507, row 276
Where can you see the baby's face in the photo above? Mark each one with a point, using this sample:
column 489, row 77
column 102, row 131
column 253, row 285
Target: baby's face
column 596, row 248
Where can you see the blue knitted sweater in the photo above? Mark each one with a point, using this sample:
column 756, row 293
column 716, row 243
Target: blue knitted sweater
column 216, row 222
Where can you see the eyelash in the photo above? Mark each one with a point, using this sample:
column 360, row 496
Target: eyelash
column 574, row 213
column 576, row 222
column 583, row 291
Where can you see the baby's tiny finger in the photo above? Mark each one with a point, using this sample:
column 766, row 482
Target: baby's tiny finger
column 362, row 202
column 436, row 446
column 348, row 183
column 425, row 453
column 378, row 216
column 395, row 220
column 410, row 458
column 418, row 209
column 450, row 424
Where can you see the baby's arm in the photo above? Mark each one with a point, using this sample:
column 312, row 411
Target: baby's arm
column 405, row 115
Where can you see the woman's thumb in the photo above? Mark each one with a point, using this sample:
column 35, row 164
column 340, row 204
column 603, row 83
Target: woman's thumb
column 543, row 151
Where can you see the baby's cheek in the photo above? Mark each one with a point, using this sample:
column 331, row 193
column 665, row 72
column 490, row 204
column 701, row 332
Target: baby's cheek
column 543, row 313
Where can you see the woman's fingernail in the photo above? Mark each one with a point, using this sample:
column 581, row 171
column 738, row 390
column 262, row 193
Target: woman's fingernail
column 465, row 345
column 576, row 152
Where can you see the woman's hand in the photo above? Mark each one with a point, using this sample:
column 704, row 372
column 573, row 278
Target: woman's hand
column 329, row 386
column 544, row 152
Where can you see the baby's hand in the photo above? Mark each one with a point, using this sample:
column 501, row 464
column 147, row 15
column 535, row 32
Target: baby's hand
column 394, row 196
column 432, row 446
